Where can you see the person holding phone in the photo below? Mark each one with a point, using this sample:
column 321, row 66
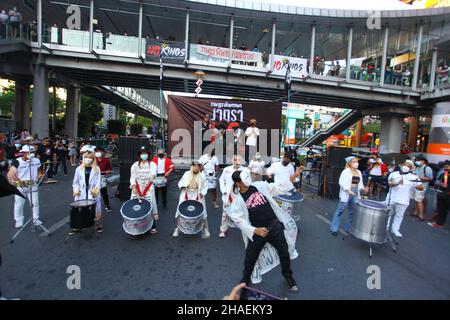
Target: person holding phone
column 265, row 224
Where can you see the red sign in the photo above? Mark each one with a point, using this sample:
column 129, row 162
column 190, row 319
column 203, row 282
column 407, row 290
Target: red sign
column 198, row 90
column 199, row 82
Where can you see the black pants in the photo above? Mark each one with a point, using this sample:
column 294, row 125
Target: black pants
column 50, row 172
column 64, row 165
column 104, row 192
column 443, row 205
column 250, row 153
column 164, row 195
column 275, row 238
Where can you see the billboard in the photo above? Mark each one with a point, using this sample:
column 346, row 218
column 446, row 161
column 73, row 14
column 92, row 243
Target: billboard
column 169, row 51
column 298, row 66
column 187, row 113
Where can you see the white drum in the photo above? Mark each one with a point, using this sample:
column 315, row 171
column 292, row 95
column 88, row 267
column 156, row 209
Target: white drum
column 191, row 216
column 160, row 182
column 211, row 179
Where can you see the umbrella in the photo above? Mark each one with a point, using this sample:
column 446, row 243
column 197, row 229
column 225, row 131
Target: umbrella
column 7, row 189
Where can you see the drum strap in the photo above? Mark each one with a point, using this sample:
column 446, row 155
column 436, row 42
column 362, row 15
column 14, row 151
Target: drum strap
column 143, row 194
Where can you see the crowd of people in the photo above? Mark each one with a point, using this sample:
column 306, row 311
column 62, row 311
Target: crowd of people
column 248, row 192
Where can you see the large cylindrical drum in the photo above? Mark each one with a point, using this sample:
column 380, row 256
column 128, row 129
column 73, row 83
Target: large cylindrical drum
column 82, row 214
column 137, row 218
column 369, row 222
column 289, row 203
column 191, row 216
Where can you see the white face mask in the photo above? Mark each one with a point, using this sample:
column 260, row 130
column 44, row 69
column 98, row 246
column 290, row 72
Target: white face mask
column 405, row 169
column 355, row 165
column 418, row 163
column 88, row 160
column 30, row 156
column 144, row 157
column 98, row 154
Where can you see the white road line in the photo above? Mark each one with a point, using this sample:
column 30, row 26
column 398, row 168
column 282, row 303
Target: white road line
column 56, row 226
column 329, row 223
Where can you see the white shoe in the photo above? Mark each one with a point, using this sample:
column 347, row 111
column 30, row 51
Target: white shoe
column 397, row 234
column 176, row 233
column 206, row 234
column 19, row 224
column 222, row 234
column 37, row 222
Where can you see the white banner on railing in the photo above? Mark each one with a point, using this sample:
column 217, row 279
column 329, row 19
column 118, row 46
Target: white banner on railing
column 298, row 66
column 224, row 53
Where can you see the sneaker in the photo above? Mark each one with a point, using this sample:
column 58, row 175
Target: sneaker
column 206, row 234
column 176, row 233
column 37, row 222
column 99, row 229
column 19, row 224
column 153, row 231
column 222, row 234
column 397, row 234
column 74, row 231
column 334, row 233
column 108, row 209
column 292, row 284
column 435, row 225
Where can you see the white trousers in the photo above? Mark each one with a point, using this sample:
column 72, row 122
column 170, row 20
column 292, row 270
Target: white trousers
column 399, row 211
column 19, row 203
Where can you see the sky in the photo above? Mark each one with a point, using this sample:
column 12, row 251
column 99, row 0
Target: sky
column 344, row 4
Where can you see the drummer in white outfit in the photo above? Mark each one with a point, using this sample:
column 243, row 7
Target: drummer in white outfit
column 256, row 167
column 401, row 186
column 143, row 173
column 210, row 165
column 24, row 169
column 226, row 186
column 193, row 186
column 86, row 185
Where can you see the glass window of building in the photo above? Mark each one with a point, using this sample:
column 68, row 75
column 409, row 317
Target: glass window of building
column 367, row 53
column 401, row 54
column 331, row 50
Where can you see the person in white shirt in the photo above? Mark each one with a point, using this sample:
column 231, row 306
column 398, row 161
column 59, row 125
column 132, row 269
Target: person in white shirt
column 210, row 165
column 143, row 173
column 86, row 185
column 281, row 171
column 252, row 134
column 351, row 184
column 256, row 167
column 193, row 186
column 401, row 186
column 425, row 174
column 226, row 186
column 375, row 174
column 24, row 175
column 164, row 167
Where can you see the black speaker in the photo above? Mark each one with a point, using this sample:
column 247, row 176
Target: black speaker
column 331, row 190
column 125, row 171
column 336, row 156
column 124, row 191
column 130, row 146
column 332, row 174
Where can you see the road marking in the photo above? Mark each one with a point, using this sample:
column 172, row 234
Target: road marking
column 329, row 223
column 56, row 226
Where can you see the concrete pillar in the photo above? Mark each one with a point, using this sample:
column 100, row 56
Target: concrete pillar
column 22, row 108
column 390, row 133
column 412, row 134
column 39, row 120
column 439, row 140
column 358, row 134
column 73, row 105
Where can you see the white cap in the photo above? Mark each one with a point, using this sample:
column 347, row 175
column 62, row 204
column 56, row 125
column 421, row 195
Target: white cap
column 348, row 159
column 27, row 148
column 87, row 148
